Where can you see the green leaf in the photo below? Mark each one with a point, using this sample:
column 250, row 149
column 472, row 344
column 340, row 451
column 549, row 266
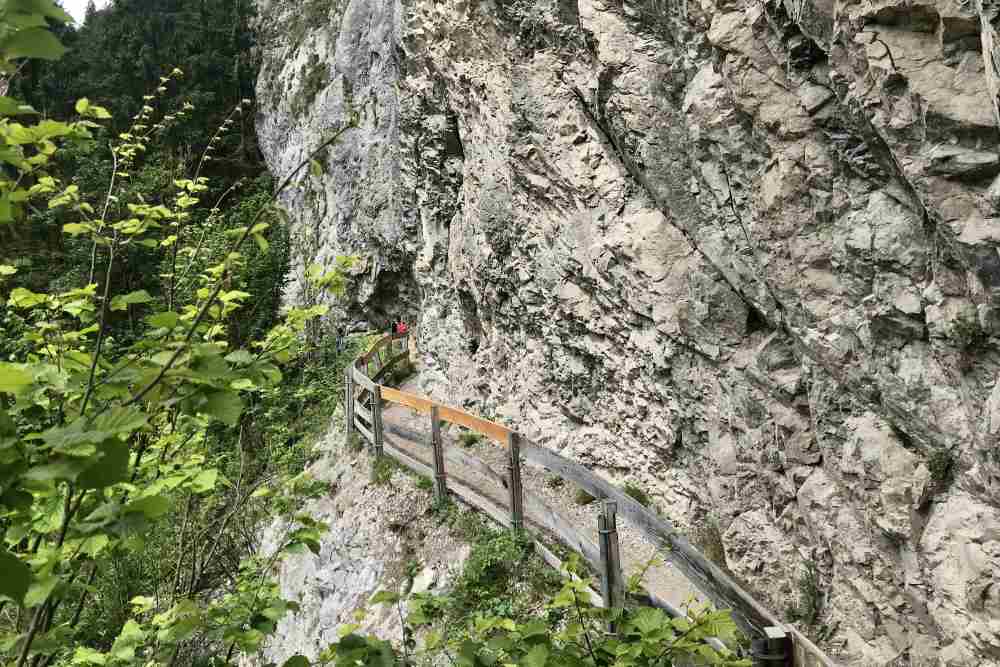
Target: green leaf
column 384, row 597
column 7, row 270
column 68, row 470
column 261, row 242
column 77, row 228
column 11, row 107
column 315, row 168
column 128, row 639
column 296, row 661
column 6, row 209
column 120, row 421
column 15, row 576
column 239, row 357
column 40, row 590
column 23, row 298
column 166, row 320
column 536, row 656
column 44, row 7
column 205, row 480
column 110, row 469
column 84, row 655
column 226, row 406
column 151, row 506
column 33, row 43
column 82, row 105
column 132, row 298
column 13, row 379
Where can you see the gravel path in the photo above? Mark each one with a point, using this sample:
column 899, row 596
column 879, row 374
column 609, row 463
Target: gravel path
column 664, row 581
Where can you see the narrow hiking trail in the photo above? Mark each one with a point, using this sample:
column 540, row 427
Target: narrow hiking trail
column 409, row 431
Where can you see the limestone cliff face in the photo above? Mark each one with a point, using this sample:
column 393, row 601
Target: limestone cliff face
column 741, row 253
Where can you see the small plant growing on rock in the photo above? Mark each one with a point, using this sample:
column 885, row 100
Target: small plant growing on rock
column 424, row 483
column 383, row 468
column 707, row 537
column 637, row 494
column 354, row 442
column 470, row 438
column 941, row 464
column 583, row 498
column 810, row 605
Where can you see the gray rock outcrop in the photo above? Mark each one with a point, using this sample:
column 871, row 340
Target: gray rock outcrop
column 740, row 253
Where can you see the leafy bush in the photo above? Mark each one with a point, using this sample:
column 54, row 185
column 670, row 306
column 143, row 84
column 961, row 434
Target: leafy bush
column 136, row 456
column 566, row 630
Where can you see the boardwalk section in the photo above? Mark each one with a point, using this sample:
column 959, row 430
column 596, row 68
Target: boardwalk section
column 501, row 495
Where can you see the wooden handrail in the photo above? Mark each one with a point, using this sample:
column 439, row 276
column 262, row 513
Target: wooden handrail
column 711, row 580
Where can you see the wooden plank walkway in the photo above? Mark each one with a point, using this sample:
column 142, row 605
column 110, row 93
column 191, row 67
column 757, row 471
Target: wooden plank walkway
column 414, row 425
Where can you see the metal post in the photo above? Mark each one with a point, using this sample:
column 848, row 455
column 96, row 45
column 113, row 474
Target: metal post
column 612, row 583
column 775, row 650
column 349, row 404
column 377, row 419
column 514, row 483
column 440, row 480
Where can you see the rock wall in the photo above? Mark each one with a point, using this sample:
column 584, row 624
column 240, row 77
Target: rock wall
column 742, row 254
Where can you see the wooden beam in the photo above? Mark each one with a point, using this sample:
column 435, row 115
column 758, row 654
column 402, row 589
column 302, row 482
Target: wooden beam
column 364, row 431
column 490, row 429
column 361, row 379
column 440, row 479
column 516, row 501
column 363, row 412
column 413, row 401
column 377, row 420
column 348, row 405
column 707, row 577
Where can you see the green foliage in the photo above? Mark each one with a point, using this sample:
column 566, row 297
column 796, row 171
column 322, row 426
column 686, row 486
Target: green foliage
column 565, row 630
column 502, row 575
column 582, row 497
column 470, row 438
column 810, row 605
column 707, row 536
column 383, row 468
column 128, row 476
column 355, row 442
column 555, row 482
column 315, row 74
column 941, row 465
column 425, row 483
column 637, row 494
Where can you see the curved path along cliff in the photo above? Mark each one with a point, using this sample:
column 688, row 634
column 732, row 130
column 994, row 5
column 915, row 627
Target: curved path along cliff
column 662, row 580
column 394, row 430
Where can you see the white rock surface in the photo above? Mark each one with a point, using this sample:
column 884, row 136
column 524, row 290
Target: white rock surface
column 739, row 248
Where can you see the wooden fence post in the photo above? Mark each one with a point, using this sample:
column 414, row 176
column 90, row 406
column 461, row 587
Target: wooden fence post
column 349, row 404
column 377, row 419
column 440, row 480
column 514, row 483
column 612, row 584
column 775, row 650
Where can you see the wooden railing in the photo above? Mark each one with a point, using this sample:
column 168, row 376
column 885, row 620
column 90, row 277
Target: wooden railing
column 365, row 395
